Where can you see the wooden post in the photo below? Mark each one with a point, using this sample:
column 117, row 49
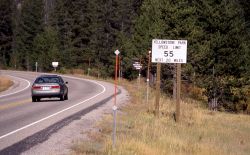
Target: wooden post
column 178, row 92
column 139, row 75
column 149, row 53
column 157, row 96
column 36, row 66
column 174, row 81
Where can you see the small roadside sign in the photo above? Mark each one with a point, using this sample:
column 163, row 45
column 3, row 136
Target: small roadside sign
column 117, row 52
column 55, row 64
column 137, row 65
column 169, row 51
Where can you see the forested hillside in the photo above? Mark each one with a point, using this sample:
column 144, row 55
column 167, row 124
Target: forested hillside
column 79, row 33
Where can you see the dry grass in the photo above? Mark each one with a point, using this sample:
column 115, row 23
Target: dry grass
column 5, row 83
column 140, row 132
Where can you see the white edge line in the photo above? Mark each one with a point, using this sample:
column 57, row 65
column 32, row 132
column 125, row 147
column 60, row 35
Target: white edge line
column 18, row 90
column 31, row 124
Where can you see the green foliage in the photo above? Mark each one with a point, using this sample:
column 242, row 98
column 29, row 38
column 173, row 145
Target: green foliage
column 219, row 59
column 164, row 19
column 5, row 31
column 217, row 36
column 29, row 23
column 85, row 33
column 88, row 31
column 46, row 49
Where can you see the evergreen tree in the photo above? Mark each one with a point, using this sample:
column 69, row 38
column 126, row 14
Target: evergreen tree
column 29, row 25
column 219, row 57
column 118, row 20
column 149, row 24
column 73, row 21
column 5, row 31
column 246, row 7
column 46, row 49
column 165, row 19
column 216, row 34
column 76, row 31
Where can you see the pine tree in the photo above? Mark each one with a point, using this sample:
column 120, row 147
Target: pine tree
column 29, row 25
column 5, row 31
column 216, row 34
column 148, row 25
column 72, row 20
column 219, row 57
column 246, row 7
column 46, row 49
column 165, row 19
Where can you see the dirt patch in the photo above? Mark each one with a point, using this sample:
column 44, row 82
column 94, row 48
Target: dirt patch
column 5, row 83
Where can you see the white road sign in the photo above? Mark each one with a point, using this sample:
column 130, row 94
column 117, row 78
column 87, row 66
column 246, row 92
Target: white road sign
column 55, row 64
column 169, row 51
column 117, row 52
column 137, row 65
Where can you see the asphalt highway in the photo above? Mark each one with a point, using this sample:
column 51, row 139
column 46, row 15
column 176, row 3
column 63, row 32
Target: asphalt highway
column 24, row 123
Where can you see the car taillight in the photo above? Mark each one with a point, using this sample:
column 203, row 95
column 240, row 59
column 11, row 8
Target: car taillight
column 36, row 87
column 55, row 87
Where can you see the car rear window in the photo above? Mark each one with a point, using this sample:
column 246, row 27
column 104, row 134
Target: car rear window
column 47, row 80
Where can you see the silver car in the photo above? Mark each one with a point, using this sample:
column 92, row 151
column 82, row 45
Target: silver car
column 48, row 86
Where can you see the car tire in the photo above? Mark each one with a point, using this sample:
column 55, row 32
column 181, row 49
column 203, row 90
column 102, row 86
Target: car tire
column 33, row 99
column 62, row 98
column 38, row 99
column 66, row 97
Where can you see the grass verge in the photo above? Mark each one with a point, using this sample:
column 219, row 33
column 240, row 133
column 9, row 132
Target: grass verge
column 139, row 132
column 5, row 83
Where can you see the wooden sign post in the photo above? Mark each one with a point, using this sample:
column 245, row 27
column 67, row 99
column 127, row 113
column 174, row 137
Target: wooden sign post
column 169, row 51
column 157, row 95
column 178, row 92
column 149, row 54
column 137, row 65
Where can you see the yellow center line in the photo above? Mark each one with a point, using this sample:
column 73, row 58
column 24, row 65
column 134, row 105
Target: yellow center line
column 15, row 104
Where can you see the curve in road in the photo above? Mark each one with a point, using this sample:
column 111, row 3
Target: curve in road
column 26, row 119
column 14, row 89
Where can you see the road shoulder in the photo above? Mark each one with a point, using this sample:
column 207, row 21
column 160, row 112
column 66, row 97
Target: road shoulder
column 61, row 142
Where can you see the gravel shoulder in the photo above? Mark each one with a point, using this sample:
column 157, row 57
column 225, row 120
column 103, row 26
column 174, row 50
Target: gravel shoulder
column 60, row 143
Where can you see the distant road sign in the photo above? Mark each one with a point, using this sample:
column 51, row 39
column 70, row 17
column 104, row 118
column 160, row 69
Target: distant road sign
column 55, row 64
column 169, row 51
column 137, row 65
column 117, row 52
